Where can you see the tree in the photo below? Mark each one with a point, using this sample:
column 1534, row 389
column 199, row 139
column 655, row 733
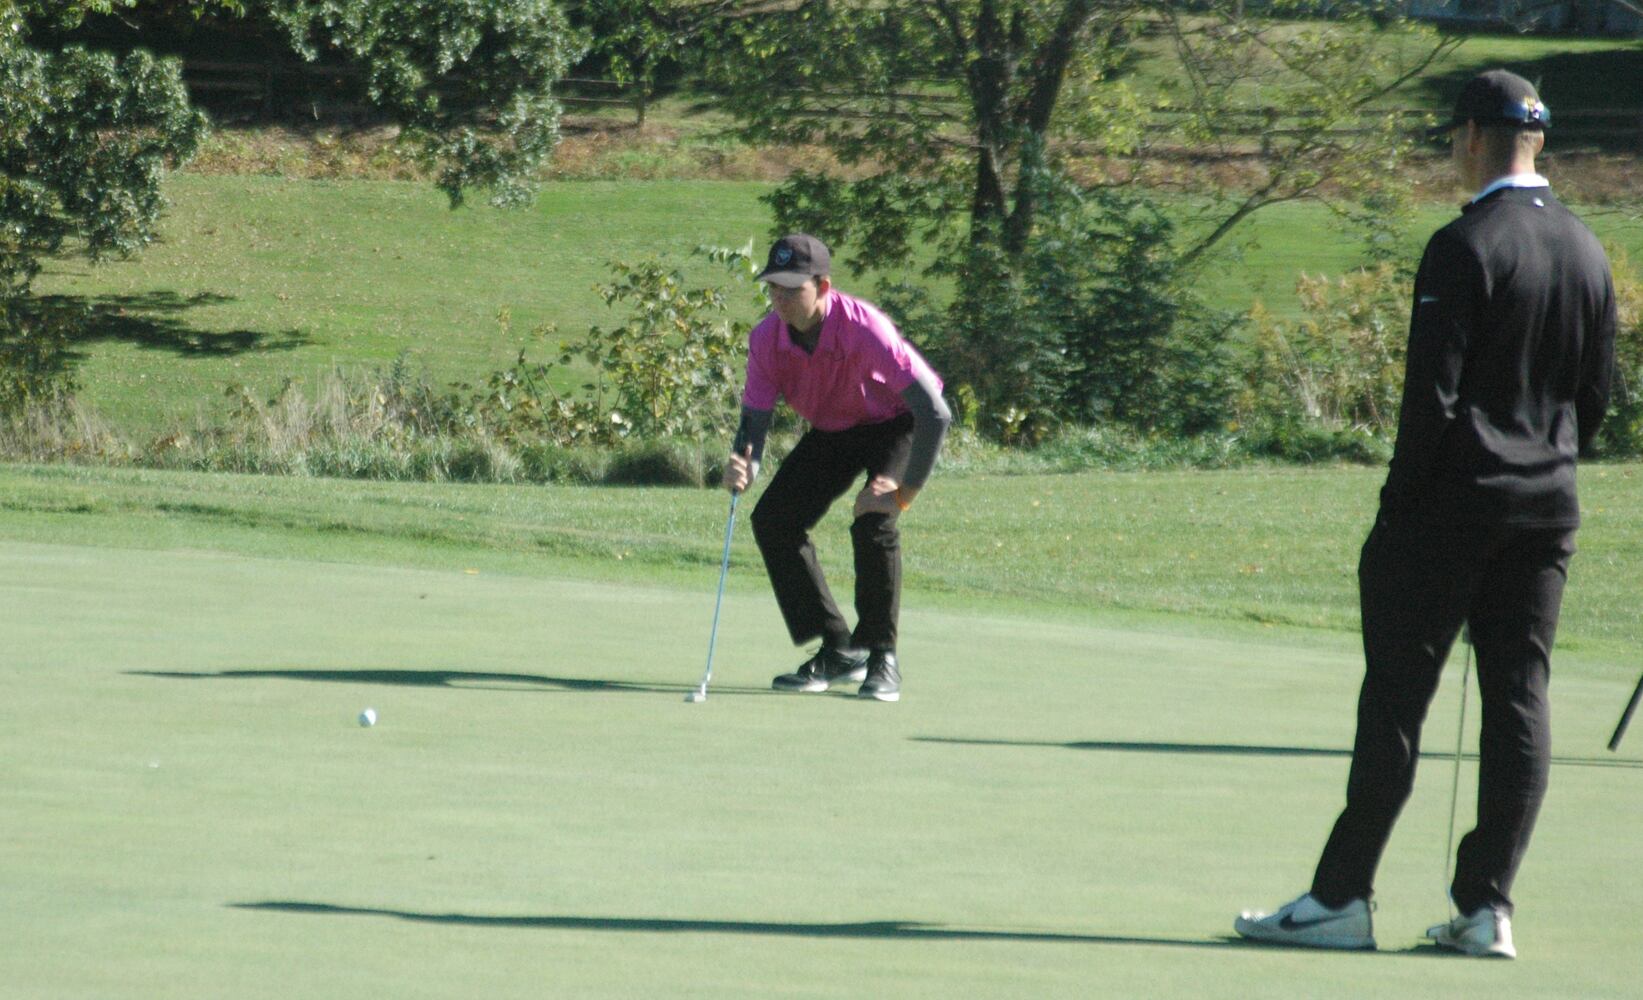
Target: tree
column 978, row 133
column 472, row 80
column 640, row 40
column 85, row 136
column 84, row 139
column 958, row 108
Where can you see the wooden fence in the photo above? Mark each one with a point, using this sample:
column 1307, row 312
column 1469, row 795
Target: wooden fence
column 252, row 89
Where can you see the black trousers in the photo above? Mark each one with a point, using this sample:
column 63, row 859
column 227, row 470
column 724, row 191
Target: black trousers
column 1418, row 583
column 819, row 470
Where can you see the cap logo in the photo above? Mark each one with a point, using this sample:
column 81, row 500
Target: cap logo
column 784, row 256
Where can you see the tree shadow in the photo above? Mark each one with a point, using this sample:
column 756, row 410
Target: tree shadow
column 1244, row 750
column 156, row 320
column 1579, row 84
column 903, row 930
column 466, row 680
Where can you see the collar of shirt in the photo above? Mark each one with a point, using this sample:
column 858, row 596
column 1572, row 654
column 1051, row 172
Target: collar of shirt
column 1511, row 181
column 824, row 336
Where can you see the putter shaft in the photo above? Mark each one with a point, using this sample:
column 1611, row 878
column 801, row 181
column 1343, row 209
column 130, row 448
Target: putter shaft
column 700, row 694
column 1626, row 717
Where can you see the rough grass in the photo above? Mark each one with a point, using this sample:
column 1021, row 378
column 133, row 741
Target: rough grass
column 1273, row 546
column 257, row 280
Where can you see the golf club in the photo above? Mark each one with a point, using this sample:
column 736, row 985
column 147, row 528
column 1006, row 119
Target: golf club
column 1626, row 716
column 1454, row 784
column 700, row 691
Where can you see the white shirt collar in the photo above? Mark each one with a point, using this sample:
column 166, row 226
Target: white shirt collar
column 1512, row 181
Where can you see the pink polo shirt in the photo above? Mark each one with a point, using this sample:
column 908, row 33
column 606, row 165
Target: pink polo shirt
column 856, row 375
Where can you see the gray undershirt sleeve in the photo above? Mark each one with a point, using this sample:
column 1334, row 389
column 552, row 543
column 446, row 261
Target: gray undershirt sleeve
column 754, row 428
column 931, row 418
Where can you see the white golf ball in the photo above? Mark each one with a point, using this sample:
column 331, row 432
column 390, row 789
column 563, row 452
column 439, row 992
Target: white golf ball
column 368, row 717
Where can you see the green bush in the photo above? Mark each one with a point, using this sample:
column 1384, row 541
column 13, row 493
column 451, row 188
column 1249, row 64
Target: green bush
column 1091, row 323
column 671, row 369
column 662, row 462
column 34, row 355
column 1621, row 435
column 1306, row 442
column 542, row 462
column 1341, row 366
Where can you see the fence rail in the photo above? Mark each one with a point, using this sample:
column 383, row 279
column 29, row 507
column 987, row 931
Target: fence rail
column 262, row 84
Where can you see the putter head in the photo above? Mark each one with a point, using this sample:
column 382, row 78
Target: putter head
column 697, row 695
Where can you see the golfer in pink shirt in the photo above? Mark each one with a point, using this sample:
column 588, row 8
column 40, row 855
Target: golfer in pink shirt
column 874, row 407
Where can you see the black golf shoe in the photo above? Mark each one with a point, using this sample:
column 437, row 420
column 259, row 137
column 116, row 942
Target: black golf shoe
column 883, row 679
column 828, row 667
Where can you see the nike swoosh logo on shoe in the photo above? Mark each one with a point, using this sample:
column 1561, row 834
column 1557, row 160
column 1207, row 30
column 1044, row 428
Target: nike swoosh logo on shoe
column 1289, row 923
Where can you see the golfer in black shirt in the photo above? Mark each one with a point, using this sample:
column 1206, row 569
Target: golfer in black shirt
column 1511, row 343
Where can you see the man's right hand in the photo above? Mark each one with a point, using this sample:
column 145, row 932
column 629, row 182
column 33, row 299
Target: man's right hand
column 739, row 470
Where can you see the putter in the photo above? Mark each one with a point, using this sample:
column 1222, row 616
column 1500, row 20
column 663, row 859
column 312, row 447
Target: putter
column 699, row 693
column 1626, row 717
column 1454, row 784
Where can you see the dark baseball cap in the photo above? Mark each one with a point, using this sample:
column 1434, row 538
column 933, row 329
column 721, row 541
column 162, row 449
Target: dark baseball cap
column 1498, row 97
column 795, row 259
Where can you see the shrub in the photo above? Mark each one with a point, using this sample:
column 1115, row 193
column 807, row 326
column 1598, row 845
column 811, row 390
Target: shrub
column 1340, row 367
column 34, row 354
column 671, row 369
column 664, row 462
column 1622, row 432
column 1090, row 323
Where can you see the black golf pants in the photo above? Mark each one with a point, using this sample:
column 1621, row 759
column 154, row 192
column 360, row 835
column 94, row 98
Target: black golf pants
column 820, row 469
column 1418, row 583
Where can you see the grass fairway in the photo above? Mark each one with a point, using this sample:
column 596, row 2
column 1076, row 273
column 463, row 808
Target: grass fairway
column 258, row 279
column 1072, row 800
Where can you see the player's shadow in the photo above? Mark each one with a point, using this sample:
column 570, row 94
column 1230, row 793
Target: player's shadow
column 466, row 680
column 902, row 930
column 1241, row 750
column 157, row 320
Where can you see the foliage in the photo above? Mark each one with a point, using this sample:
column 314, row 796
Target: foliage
column 1621, row 434
column 669, row 370
column 957, row 111
column 86, row 136
column 961, row 124
column 84, row 139
column 33, row 348
column 673, row 367
column 1088, row 324
column 471, row 79
column 1339, row 367
column 1315, row 93
column 639, row 41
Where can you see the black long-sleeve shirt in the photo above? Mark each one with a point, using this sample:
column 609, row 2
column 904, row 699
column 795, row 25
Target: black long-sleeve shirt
column 1511, row 350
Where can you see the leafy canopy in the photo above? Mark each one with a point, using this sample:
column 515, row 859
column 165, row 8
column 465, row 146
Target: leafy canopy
column 86, row 136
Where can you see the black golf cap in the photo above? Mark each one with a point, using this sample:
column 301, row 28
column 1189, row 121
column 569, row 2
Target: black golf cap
column 795, row 259
column 1497, row 97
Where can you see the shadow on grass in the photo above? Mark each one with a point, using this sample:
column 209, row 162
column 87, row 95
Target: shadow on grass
column 1579, row 84
column 466, row 680
column 156, row 320
column 1244, row 750
column 901, row 930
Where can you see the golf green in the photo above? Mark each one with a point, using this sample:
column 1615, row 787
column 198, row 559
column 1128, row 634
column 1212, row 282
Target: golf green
column 1064, row 806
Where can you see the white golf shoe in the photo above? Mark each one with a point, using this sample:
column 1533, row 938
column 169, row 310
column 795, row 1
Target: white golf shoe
column 1307, row 923
column 1484, row 933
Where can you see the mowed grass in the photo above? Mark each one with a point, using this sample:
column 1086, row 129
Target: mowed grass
column 257, row 280
column 1079, row 791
